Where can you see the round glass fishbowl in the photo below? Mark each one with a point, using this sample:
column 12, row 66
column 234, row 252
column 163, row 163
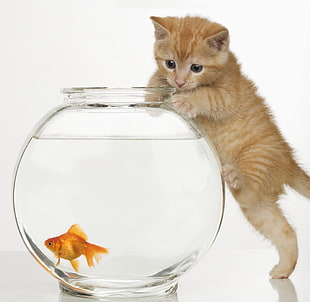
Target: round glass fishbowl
column 116, row 193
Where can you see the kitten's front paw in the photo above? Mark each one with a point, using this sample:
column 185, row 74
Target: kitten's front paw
column 231, row 177
column 182, row 102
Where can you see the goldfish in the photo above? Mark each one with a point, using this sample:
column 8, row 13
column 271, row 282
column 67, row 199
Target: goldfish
column 72, row 245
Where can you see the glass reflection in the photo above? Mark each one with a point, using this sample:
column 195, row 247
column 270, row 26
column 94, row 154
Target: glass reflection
column 68, row 298
column 285, row 289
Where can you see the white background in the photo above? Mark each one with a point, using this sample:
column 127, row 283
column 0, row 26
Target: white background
column 47, row 45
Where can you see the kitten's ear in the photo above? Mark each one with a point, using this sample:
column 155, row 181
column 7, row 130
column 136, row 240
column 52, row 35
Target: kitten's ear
column 219, row 41
column 160, row 31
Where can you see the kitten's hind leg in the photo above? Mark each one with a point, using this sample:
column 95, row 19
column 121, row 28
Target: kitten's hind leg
column 269, row 220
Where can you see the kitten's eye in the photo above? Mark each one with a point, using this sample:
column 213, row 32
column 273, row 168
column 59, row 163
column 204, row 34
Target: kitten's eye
column 196, row 68
column 170, row 64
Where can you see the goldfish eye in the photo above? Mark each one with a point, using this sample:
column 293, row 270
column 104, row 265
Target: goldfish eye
column 50, row 243
column 196, row 68
column 170, row 64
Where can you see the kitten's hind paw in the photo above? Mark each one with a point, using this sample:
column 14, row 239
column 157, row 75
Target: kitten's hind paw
column 231, row 177
column 279, row 272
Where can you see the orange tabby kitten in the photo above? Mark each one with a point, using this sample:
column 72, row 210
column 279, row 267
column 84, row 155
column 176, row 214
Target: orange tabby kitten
column 193, row 56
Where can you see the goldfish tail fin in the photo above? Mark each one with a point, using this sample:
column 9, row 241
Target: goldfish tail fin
column 94, row 251
column 75, row 264
column 76, row 229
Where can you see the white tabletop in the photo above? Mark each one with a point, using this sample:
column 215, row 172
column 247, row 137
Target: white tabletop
column 223, row 275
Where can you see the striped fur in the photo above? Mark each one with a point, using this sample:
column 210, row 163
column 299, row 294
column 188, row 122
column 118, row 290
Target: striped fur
column 257, row 161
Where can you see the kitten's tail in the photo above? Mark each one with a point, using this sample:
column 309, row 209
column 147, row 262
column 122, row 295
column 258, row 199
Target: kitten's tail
column 301, row 182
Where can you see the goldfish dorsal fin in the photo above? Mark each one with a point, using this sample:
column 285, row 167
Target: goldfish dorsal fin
column 76, row 229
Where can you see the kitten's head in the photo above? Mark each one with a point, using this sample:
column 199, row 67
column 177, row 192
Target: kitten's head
column 190, row 51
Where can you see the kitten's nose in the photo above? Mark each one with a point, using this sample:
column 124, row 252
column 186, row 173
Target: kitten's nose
column 180, row 83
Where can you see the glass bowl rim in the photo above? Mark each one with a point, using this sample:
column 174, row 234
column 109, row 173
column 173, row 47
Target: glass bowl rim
column 130, row 95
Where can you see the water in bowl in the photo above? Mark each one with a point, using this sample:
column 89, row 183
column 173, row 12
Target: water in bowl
column 152, row 203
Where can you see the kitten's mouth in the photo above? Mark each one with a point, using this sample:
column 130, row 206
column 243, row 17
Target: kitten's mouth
column 185, row 87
